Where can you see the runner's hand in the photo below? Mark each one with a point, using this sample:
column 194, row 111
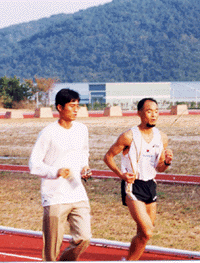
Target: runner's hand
column 129, row 177
column 64, row 172
column 86, row 173
column 168, row 156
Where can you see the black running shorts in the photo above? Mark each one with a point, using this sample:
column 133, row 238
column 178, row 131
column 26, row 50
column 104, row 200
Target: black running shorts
column 144, row 191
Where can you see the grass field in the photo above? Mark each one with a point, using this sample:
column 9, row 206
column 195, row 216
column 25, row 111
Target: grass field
column 178, row 221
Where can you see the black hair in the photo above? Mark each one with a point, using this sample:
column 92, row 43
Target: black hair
column 141, row 103
column 65, row 96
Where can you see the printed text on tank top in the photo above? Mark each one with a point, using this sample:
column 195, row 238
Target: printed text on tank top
column 147, row 148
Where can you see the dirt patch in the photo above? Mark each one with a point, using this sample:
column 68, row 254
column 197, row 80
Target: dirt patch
column 17, row 138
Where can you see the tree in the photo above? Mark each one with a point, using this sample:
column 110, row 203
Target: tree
column 33, row 88
column 45, row 85
column 12, row 91
column 193, row 105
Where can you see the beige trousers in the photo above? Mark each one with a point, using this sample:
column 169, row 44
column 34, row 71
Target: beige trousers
column 54, row 220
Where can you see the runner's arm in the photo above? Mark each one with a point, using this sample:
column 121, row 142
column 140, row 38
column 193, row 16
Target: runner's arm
column 166, row 155
column 122, row 143
column 36, row 162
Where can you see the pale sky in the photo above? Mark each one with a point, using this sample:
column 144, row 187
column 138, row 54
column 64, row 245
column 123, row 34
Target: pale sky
column 19, row 11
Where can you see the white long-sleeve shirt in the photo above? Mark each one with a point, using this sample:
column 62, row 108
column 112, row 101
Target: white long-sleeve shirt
column 55, row 148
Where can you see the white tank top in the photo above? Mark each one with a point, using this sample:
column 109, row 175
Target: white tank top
column 143, row 157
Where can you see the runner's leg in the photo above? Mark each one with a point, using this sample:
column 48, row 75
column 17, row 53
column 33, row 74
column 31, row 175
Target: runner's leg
column 143, row 215
column 151, row 210
column 54, row 221
column 79, row 220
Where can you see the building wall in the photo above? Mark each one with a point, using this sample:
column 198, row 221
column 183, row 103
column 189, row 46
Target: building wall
column 127, row 95
column 185, row 91
column 81, row 88
column 97, row 93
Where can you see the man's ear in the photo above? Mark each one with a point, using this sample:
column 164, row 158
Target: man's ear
column 139, row 113
column 59, row 107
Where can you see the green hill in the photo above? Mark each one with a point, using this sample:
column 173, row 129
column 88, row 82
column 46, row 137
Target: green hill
column 122, row 41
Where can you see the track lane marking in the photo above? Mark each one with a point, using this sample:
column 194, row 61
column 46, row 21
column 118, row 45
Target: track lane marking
column 19, row 256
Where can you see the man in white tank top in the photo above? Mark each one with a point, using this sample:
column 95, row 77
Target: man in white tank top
column 144, row 152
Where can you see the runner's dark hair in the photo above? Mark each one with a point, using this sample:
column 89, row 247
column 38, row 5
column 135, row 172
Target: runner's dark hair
column 141, row 103
column 65, row 96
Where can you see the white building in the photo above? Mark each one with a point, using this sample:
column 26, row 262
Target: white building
column 126, row 95
column 81, row 88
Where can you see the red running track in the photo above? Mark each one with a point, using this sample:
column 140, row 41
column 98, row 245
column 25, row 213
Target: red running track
column 21, row 245
column 161, row 177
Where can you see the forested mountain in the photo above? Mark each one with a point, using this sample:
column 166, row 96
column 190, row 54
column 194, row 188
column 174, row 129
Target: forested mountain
column 11, row 36
column 121, row 41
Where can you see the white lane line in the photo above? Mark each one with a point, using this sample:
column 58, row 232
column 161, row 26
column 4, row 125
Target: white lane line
column 19, row 256
column 104, row 242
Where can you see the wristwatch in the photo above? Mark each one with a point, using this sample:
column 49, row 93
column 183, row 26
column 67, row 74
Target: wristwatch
column 167, row 164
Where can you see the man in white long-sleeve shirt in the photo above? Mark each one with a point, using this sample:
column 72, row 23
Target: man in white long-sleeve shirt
column 60, row 158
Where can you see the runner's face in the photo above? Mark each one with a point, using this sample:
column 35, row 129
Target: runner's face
column 149, row 114
column 69, row 111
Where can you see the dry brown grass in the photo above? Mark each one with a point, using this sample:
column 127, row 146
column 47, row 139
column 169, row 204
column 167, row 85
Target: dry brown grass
column 18, row 136
column 177, row 224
